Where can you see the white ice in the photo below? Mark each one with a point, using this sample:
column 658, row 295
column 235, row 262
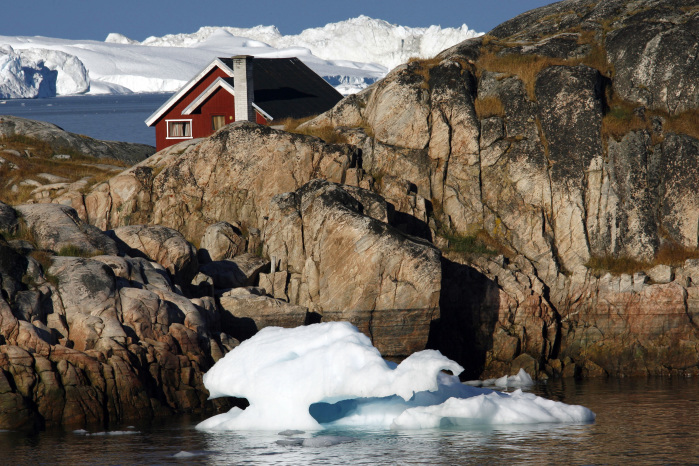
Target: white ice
column 329, row 375
column 350, row 55
column 520, row 380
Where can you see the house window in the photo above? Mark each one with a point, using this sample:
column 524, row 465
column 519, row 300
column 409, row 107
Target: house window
column 179, row 129
column 217, row 122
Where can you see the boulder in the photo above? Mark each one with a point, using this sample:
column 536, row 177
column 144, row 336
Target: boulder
column 242, row 270
column 661, row 274
column 58, row 228
column 160, row 244
column 243, row 315
column 221, row 241
column 89, row 298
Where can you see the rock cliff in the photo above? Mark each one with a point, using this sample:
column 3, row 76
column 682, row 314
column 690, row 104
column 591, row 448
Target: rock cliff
column 568, row 137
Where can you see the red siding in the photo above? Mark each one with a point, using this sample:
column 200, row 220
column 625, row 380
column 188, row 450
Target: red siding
column 220, row 102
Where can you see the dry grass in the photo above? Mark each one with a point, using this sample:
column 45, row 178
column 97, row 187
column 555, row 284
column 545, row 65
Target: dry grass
column 468, row 245
column 23, row 232
column 422, row 67
column 41, row 161
column 326, row 132
column 45, row 259
column 684, row 123
column 489, row 106
column 543, row 139
column 675, row 254
column 479, row 244
column 616, row 265
column 670, row 253
column 621, row 119
column 527, row 67
column 290, row 124
column 72, row 250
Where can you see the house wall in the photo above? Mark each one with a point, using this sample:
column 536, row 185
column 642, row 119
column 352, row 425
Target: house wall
column 220, row 103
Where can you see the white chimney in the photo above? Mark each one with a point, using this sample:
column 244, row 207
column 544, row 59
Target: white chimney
column 244, row 88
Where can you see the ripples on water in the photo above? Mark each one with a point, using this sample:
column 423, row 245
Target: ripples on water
column 643, row 421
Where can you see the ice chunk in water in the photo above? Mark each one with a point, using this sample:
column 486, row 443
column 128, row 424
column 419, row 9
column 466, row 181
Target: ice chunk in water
column 330, row 374
column 521, row 380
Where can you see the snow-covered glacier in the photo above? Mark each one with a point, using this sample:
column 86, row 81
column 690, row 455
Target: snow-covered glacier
column 329, row 375
column 350, row 55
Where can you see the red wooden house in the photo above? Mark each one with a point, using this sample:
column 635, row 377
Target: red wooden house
column 263, row 90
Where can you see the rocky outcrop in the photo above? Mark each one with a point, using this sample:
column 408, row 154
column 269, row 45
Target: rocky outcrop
column 221, row 241
column 568, row 136
column 60, row 139
column 159, row 244
column 95, row 340
column 344, row 265
column 57, row 227
column 230, row 177
column 240, row 271
column 100, row 327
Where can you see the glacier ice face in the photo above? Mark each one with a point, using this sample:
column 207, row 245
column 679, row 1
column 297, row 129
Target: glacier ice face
column 71, row 75
column 35, row 72
column 14, row 83
column 329, row 374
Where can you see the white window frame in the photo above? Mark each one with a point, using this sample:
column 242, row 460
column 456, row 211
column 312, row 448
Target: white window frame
column 167, row 129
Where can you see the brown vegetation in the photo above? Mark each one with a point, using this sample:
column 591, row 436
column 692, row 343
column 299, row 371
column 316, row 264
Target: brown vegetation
column 41, row 160
column 422, row 67
column 683, row 123
column 488, row 107
column 622, row 117
column 526, row 67
column 669, row 253
column 326, row 132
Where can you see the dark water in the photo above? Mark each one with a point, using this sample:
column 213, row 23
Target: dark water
column 107, row 117
column 639, row 421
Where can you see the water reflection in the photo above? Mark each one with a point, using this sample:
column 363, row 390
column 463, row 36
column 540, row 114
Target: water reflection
column 644, row 421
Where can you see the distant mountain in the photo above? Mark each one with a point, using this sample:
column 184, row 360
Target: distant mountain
column 350, row 55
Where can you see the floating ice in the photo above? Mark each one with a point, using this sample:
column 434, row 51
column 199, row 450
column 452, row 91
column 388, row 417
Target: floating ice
column 329, row 374
column 521, row 380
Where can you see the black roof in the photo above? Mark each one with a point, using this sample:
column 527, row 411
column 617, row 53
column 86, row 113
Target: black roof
column 287, row 88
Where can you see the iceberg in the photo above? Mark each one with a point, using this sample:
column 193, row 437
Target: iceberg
column 350, row 54
column 330, row 375
column 36, row 72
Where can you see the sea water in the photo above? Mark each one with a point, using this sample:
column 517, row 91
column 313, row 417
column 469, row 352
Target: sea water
column 644, row 421
column 106, row 117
